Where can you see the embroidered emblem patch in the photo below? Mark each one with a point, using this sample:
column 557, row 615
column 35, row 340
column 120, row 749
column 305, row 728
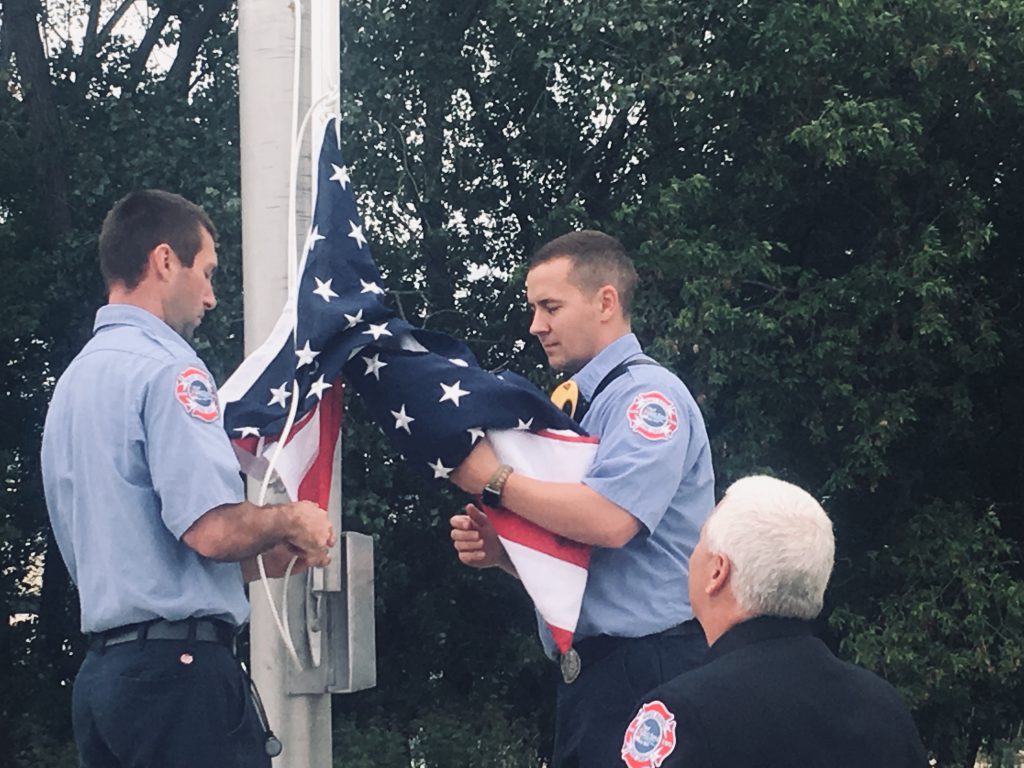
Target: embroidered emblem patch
column 195, row 392
column 650, row 738
column 653, row 416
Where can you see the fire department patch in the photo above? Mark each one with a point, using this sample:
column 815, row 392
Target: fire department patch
column 652, row 415
column 195, row 392
column 650, row 738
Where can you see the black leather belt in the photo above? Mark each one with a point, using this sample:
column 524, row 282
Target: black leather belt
column 590, row 650
column 201, row 630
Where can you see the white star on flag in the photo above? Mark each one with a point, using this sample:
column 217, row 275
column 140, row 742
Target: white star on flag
column 312, row 239
column 458, row 361
column 441, row 472
column 475, row 433
column 280, row 395
column 247, row 431
column 402, row 420
column 306, row 355
column 340, row 175
column 318, row 387
column 453, row 392
column 371, row 287
column 357, row 234
column 354, row 320
column 524, row 425
column 373, row 365
column 324, row 290
column 377, row 330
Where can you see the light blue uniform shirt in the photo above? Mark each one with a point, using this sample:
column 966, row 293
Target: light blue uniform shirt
column 654, row 461
column 134, row 452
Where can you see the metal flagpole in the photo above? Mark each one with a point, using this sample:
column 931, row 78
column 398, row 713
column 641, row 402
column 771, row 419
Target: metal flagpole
column 265, row 52
column 330, row 610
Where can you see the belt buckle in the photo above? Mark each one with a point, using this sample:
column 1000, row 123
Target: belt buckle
column 570, row 664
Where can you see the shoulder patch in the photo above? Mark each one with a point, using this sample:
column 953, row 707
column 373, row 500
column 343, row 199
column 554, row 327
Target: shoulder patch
column 650, row 738
column 653, row 416
column 197, row 395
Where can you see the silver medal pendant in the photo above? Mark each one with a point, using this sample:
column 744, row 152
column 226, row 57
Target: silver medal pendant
column 571, row 665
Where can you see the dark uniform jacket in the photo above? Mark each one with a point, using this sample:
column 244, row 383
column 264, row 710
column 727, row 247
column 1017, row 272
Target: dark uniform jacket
column 771, row 694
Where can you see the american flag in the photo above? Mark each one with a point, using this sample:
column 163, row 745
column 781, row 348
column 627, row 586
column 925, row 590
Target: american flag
column 425, row 390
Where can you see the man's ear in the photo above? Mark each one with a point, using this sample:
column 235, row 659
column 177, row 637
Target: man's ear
column 608, row 297
column 718, row 574
column 162, row 262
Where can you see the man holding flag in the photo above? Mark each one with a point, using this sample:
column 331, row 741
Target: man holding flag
column 641, row 504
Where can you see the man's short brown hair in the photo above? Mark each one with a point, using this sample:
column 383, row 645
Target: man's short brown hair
column 138, row 223
column 597, row 260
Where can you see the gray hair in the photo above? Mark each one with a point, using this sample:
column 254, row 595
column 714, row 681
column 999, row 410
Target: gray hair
column 780, row 543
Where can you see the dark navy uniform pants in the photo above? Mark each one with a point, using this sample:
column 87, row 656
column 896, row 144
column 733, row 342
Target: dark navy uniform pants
column 593, row 712
column 165, row 704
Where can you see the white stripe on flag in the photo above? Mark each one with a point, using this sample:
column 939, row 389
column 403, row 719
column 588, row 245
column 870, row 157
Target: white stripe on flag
column 555, row 585
column 298, row 455
column 257, row 362
column 555, row 456
column 296, row 459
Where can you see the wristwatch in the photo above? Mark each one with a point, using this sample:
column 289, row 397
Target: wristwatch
column 491, row 494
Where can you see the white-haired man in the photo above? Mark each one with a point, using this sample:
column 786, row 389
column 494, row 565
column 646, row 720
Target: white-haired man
column 770, row 693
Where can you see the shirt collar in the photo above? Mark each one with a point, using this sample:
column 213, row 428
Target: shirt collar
column 129, row 314
column 591, row 374
column 756, row 630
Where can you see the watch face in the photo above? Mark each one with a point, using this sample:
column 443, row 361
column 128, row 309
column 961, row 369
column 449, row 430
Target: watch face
column 491, row 497
column 491, row 494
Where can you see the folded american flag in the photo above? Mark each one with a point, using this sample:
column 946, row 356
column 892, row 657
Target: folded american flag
column 425, row 390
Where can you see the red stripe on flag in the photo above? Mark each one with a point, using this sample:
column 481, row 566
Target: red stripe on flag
column 562, row 637
column 568, row 438
column 514, row 528
column 248, row 444
column 316, row 485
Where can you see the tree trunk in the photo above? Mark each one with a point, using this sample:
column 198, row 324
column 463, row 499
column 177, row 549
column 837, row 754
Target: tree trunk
column 20, row 21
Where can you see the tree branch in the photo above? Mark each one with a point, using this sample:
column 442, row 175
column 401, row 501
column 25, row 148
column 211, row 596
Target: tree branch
column 517, row 196
column 91, row 25
column 94, row 41
column 137, row 64
column 417, row 197
column 193, row 33
column 5, row 49
column 615, row 132
column 108, row 28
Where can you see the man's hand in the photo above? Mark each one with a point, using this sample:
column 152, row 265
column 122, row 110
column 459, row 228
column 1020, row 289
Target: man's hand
column 476, row 469
column 275, row 563
column 310, row 533
column 476, row 541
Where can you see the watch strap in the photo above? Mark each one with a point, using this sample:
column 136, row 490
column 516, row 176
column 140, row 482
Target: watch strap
column 491, row 495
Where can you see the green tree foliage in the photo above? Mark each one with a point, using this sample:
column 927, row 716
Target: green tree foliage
column 825, row 204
